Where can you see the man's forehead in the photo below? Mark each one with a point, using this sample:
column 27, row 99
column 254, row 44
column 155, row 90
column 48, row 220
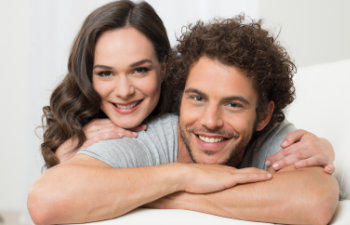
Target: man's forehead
column 211, row 73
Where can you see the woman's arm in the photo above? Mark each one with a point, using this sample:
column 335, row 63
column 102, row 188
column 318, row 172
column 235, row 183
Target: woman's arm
column 303, row 149
column 95, row 131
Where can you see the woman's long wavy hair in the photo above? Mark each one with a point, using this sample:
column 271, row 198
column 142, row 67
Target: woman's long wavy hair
column 74, row 102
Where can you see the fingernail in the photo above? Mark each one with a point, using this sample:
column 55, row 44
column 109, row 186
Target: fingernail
column 275, row 166
column 267, row 163
column 284, row 143
column 269, row 175
column 298, row 164
column 135, row 134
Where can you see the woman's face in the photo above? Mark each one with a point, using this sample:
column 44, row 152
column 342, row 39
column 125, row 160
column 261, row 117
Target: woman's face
column 126, row 75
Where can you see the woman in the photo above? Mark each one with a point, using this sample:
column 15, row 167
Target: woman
column 115, row 70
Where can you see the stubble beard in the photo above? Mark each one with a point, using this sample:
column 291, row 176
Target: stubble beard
column 235, row 155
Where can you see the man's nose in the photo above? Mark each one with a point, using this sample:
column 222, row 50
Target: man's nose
column 211, row 118
column 124, row 87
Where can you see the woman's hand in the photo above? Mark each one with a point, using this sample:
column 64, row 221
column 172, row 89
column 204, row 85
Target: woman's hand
column 303, row 149
column 104, row 129
column 96, row 130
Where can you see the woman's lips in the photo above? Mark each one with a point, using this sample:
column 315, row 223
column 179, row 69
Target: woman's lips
column 126, row 108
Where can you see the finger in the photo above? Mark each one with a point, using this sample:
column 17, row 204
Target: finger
column 97, row 124
column 293, row 137
column 277, row 156
column 283, row 153
column 250, row 178
column 123, row 133
column 329, row 168
column 111, row 132
column 142, row 127
column 312, row 161
column 293, row 156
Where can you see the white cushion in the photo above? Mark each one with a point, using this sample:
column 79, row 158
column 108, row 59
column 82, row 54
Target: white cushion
column 322, row 106
column 172, row 217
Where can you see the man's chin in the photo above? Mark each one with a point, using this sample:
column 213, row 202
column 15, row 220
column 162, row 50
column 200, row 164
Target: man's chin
column 212, row 159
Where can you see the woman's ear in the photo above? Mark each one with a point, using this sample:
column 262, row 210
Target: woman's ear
column 266, row 116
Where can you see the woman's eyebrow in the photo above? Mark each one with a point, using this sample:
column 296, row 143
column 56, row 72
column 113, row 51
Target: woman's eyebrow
column 102, row 66
column 140, row 62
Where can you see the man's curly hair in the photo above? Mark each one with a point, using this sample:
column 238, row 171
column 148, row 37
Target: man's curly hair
column 243, row 45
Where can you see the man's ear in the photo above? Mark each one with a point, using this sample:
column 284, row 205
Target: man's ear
column 266, row 116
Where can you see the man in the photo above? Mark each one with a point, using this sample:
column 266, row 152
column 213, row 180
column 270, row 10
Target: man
column 235, row 81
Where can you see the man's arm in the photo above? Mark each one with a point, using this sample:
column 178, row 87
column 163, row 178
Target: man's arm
column 84, row 189
column 302, row 196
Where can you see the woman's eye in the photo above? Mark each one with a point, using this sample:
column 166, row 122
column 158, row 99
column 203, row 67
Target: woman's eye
column 104, row 73
column 141, row 70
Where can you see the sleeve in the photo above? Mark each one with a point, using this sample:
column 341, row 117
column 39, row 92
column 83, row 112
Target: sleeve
column 157, row 145
column 266, row 145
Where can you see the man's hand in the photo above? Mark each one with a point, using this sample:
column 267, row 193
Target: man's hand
column 303, row 149
column 206, row 179
column 200, row 178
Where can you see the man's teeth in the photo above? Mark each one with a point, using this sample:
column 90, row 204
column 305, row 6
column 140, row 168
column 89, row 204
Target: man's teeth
column 126, row 106
column 210, row 139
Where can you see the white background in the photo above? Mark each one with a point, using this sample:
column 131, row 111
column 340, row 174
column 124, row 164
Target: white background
column 36, row 36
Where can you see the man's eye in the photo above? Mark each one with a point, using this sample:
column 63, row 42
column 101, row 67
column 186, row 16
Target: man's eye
column 104, row 73
column 234, row 105
column 197, row 98
column 141, row 70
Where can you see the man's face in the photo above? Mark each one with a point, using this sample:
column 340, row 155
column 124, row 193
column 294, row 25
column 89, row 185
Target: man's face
column 218, row 112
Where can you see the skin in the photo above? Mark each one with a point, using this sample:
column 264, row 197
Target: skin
column 222, row 120
column 201, row 187
column 127, row 76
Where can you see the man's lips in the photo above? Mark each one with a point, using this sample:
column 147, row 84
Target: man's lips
column 210, row 139
column 211, row 142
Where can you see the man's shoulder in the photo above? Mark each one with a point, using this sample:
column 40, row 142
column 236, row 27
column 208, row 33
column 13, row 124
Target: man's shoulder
column 154, row 146
column 168, row 119
column 266, row 144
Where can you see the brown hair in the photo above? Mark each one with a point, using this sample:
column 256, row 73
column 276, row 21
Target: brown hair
column 74, row 102
column 244, row 45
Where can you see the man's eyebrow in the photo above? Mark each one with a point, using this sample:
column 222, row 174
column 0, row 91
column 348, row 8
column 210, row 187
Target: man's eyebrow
column 225, row 99
column 195, row 91
column 138, row 63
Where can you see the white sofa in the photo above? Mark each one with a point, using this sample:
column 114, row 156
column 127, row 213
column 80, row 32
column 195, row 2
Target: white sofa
column 322, row 106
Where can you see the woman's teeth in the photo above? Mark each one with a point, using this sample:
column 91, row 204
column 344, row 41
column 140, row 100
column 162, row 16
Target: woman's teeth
column 126, row 106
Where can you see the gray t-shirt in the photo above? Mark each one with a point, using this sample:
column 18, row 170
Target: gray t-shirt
column 158, row 145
